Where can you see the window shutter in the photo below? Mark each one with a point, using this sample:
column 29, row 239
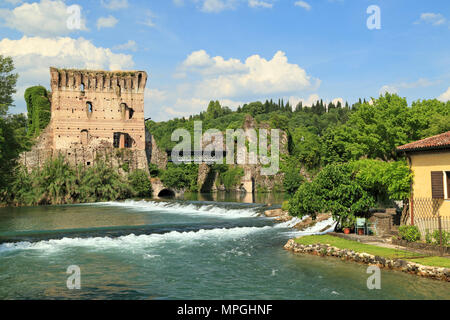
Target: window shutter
column 437, row 184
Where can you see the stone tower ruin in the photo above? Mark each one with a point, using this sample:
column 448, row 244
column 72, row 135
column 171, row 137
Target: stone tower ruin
column 95, row 114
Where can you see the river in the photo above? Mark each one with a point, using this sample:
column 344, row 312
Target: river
column 177, row 249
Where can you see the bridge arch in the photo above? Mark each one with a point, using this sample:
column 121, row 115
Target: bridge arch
column 166, row 193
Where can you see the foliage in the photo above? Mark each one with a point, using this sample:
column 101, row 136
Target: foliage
column 435, row 237
column 229, row 176
column 334, row 190
column 182, row 176
column 8, row 81
column 38, row 106
column 153, row 170
column 285, row 206
column 140, row 184
column 384, row 179
column 292, row 179
column 409, row 233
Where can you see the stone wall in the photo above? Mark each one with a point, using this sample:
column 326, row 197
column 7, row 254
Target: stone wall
column 95, row 115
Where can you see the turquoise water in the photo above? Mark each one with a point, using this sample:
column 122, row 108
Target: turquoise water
column 176, row 250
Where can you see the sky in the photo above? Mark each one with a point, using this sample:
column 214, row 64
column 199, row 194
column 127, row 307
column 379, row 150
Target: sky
column 236, row 51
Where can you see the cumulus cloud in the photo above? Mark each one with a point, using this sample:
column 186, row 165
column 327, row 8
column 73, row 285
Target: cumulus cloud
column 106, row 22
column 233, row 82
column 395, row 88
column 435, row 19
column 255, row 76
column 131, row 45
column 445, row 96
column 259, row 4
column 44, row 18
column 34, row 55
column 217, row 5
column 303, row 4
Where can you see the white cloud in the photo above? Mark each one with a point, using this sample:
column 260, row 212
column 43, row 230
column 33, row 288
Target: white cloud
column 259, row 4
column 256, row 76
column 388, row 89
column 395, row 88
column 34, row 55
column 436, row 19
column 231, row 81
column 149, row 16
column 106, row 22
column 115, row 4
column 303, row 4
column 445, row 96
column 217, row 5
column 44, row 18
column 131, row 45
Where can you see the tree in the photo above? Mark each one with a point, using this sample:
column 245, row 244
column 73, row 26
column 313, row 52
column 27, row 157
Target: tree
column 139, row 181
column 334, row 190
column 38, row 106
column 8, row 81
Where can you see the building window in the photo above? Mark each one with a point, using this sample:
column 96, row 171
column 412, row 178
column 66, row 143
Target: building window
column 447, row 184
column 89, row 109
column 84, row 137
column 437, row 184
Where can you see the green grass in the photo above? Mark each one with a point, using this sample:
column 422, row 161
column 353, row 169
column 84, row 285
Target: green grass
column 433, row 261
column 355, row 246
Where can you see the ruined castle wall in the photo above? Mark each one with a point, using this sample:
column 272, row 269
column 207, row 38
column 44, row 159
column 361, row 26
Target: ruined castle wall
column 90, row 106
column 95, row 115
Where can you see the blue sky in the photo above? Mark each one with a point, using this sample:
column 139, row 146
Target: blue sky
column 237, row 51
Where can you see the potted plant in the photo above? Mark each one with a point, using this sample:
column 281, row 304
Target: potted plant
column 347, row 225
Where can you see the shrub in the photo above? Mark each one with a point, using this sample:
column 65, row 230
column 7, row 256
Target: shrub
column 182, row 176
column 153, row 169
column 231, row 177
column 285, row 206
column 445, row 237
column 409, row 233
column 140, row 183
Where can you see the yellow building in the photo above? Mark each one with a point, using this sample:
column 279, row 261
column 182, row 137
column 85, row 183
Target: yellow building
column 429, row 160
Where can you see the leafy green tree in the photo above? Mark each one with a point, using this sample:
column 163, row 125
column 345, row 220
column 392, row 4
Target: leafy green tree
column 8, row 81
column 38, row 105
column 334, row 190
column 139, row 181
column 292, row 180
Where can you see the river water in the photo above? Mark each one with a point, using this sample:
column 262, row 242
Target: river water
column 177, row 250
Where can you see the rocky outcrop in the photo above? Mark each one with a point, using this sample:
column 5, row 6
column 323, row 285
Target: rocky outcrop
column 157, row 156
column 278, row 214
column 307, row 222
column 394, row 264
column 253, row 180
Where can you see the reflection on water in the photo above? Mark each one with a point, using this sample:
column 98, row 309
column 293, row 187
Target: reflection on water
column 222, row 196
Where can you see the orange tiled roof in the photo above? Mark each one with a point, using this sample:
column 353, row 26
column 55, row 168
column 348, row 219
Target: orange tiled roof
column 441, row 141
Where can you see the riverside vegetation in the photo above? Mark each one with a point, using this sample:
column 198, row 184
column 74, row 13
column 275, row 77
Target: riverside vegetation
column 341, row 158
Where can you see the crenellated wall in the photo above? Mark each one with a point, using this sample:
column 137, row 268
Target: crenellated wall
column 91, row 111
column 88, row 106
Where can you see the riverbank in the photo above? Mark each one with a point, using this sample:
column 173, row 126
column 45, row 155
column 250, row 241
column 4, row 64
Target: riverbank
column 388, row 258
